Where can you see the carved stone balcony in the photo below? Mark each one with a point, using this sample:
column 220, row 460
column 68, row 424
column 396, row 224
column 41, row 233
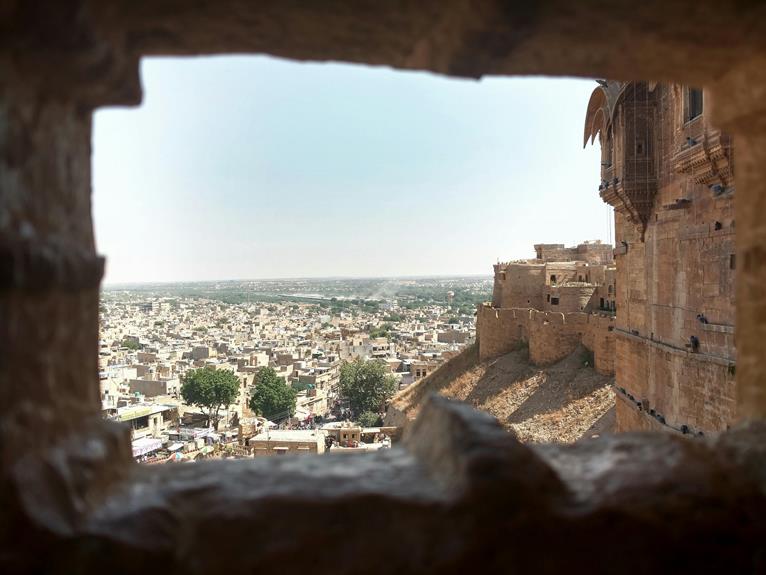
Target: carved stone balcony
column 707, row 159
column 633, row 194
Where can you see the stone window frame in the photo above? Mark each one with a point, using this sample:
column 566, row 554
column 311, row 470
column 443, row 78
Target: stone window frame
column 460, row 492
column 693, row 96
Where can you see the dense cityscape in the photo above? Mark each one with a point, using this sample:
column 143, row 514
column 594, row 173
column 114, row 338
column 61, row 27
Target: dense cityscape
column 155, row 339
column 592, row 400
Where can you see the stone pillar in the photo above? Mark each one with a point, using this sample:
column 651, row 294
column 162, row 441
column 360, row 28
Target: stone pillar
column 58, row 454
column 738, row 103
column 750, row 208
column 49, row 272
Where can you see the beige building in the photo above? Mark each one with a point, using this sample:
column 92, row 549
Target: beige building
column 420, row 369
column 284, row 441
column 155, row 387
column 345, row 434
column 559, row 279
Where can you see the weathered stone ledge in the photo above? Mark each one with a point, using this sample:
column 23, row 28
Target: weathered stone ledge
column 461, row 493
column 698, row 356
column 45, row 265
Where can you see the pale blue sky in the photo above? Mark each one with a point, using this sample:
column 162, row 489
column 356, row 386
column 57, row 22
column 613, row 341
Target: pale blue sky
column 253, row 167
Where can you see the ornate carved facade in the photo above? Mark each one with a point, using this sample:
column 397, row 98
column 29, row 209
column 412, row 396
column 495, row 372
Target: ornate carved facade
column 668, row 173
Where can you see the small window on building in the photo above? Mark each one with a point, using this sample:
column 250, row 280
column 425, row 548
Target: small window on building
column 553, row 279
column 579, row 278
column 693, row 103
column 554, row 301
column 732, row 261
column 548, row 297
column 601, row 303
column 610, row 290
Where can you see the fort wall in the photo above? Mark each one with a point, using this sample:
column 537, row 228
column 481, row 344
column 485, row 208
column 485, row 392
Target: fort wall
column 593, row 252
column 551, row 336
column 683, row 389
column 672, row 185
column 499, row 330
column 554, row 335
column 598, row 336
column 633, row 419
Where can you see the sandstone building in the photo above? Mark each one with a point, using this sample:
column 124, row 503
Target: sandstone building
column 562, row 298
column 461, row 494
column 668, row 173
column 558, row 279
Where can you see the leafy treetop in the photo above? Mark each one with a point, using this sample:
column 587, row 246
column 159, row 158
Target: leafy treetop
column 366, row 385
column 131, row 343
column 210, row 389
column 272, row 398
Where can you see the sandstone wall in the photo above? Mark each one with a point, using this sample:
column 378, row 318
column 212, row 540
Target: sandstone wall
column 569, row 298
column 499, row 330
column 551, row 336
column 676, row 265
column 522, row 286
column 629, row 418
column 688, row 266
column 697, row 390
column 563, row 272
column 461, row 494
column 598, row 337
column 595, row 253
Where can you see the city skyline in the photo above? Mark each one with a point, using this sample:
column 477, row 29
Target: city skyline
column 243, row 168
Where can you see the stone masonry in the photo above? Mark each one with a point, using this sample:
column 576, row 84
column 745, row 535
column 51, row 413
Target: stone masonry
column 562, row 298
column 460, row 495
column 669, row 175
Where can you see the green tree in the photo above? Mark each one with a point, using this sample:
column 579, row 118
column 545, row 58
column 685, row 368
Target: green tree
column 366, row 385
column 131, row 343
column 382, row 331
column 369, row 419
column 210, row 389
column 272, row 398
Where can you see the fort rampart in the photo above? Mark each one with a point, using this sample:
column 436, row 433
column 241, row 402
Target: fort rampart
column 550, row 336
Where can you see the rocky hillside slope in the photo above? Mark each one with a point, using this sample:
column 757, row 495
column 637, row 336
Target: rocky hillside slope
column 562, row 402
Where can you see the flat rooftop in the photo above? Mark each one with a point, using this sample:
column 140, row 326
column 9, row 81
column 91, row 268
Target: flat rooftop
column 288, row 435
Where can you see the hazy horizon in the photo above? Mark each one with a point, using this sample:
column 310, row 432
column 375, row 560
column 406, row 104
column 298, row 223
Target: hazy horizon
column 255, row 169
column 109, row 284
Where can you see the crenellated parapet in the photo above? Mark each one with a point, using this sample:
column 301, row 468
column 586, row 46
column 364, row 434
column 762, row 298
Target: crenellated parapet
column 550, row 336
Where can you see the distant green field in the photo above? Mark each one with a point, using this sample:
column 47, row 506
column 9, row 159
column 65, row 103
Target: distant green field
column 334, row 294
